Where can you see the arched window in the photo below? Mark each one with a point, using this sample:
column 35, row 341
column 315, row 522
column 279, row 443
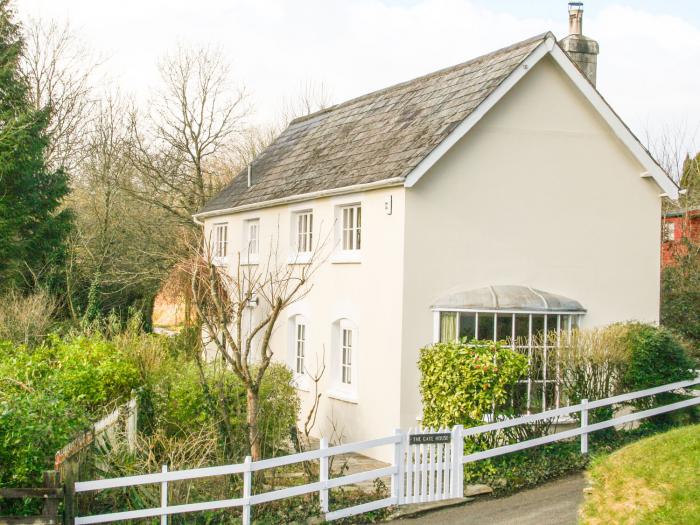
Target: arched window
column 344, row 360
column 532, row 322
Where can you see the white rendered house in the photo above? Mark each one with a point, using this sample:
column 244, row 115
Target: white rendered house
column 500, row 197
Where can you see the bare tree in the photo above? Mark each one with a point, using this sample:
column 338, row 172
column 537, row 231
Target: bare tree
column 313, row 97
column 123, row 246
column 671, row 147
column 193, row 123
column 59, row 70
column 239, row 311
column 253, row 142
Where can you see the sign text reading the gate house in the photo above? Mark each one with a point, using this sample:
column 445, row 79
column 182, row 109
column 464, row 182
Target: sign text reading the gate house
column 418, row 439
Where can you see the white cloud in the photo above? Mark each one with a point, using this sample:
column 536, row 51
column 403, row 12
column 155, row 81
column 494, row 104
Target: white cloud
column 647, row 66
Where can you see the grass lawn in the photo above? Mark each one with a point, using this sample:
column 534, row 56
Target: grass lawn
column 653, row 481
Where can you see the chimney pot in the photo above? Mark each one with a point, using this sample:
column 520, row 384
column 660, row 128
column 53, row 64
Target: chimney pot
column 575, row 18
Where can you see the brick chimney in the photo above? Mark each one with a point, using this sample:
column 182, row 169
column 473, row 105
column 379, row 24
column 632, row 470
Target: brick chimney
column 582, row 50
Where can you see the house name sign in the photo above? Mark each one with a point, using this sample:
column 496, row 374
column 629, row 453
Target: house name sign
column 429, row 439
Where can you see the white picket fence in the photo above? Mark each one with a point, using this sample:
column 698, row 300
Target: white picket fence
column 427, row 463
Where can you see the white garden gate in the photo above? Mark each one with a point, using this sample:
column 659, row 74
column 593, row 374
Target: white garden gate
column 431, row 467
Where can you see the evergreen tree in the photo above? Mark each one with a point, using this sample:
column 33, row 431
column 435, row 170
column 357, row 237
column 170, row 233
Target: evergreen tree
column 33, row 226
column 690, row 180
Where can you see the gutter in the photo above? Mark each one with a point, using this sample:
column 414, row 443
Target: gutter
column 386, row 183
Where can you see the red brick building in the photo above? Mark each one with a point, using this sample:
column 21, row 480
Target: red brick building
column 678, row 225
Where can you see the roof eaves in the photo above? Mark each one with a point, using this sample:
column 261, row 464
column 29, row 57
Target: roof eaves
column 343, row 190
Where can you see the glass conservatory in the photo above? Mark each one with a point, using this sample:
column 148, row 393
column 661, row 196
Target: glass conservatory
column 533, row 322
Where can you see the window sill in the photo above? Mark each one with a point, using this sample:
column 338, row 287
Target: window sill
column 301, row 382
column 341, row 395
column 299, row 258
column 346, row 258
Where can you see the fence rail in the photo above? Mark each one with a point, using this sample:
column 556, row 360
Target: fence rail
column 51, row 493
column 322, row 486
column 421, row 471
column 583, row 408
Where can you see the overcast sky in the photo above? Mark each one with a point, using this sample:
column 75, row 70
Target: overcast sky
column 648, row 67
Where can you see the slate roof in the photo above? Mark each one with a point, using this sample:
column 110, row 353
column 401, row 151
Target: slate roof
column 379, row 136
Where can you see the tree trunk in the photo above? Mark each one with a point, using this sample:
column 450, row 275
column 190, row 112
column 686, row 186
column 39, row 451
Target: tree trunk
column 252, row 420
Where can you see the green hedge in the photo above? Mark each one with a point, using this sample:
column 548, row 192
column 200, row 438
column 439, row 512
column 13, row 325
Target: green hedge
column 461, row 382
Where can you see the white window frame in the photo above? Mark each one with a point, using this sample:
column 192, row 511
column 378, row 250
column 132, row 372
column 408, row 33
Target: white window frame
column 301, row 236
column 566, row 322
column 669, row 231
column 251, row 241
column 301, row 379
column 220, row 243
column 346, row 351
column 300, row 348
column 345, row 362
column 349, row 234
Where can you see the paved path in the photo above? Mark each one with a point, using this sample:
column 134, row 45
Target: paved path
column 555, row 503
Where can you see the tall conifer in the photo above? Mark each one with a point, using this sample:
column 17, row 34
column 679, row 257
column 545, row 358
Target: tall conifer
column 33, row 225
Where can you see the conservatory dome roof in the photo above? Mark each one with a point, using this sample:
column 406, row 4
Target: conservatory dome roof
column 508, row 298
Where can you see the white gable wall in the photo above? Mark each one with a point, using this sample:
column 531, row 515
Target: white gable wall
column 539, row 193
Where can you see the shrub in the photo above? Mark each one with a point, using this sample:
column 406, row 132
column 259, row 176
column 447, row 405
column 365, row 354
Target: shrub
column 51, row 392
column 461, row 383
column 177, row 395
column 656, row 358
column 92, row 371
column 620, row 358
column 192, row 448
column 33, row 425
column 26, row 318
column 680, row 295
column 593, row 362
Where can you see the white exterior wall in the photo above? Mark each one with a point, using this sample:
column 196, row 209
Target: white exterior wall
column 539, row 193
column 367, row 293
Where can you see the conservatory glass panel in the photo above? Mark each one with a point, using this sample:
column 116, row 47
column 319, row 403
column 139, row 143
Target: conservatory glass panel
column 467, row 326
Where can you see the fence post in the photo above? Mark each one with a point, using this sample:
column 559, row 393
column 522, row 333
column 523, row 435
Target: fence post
column 584, row 426
column 68, row 495
column 164, row 497
column 323, row 477
column 132, row 422
column 50, row 509
column 247, row 482
column 398, row 463
column 457, row 468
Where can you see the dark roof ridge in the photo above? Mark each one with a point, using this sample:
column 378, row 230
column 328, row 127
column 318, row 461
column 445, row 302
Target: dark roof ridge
column 541, row 36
